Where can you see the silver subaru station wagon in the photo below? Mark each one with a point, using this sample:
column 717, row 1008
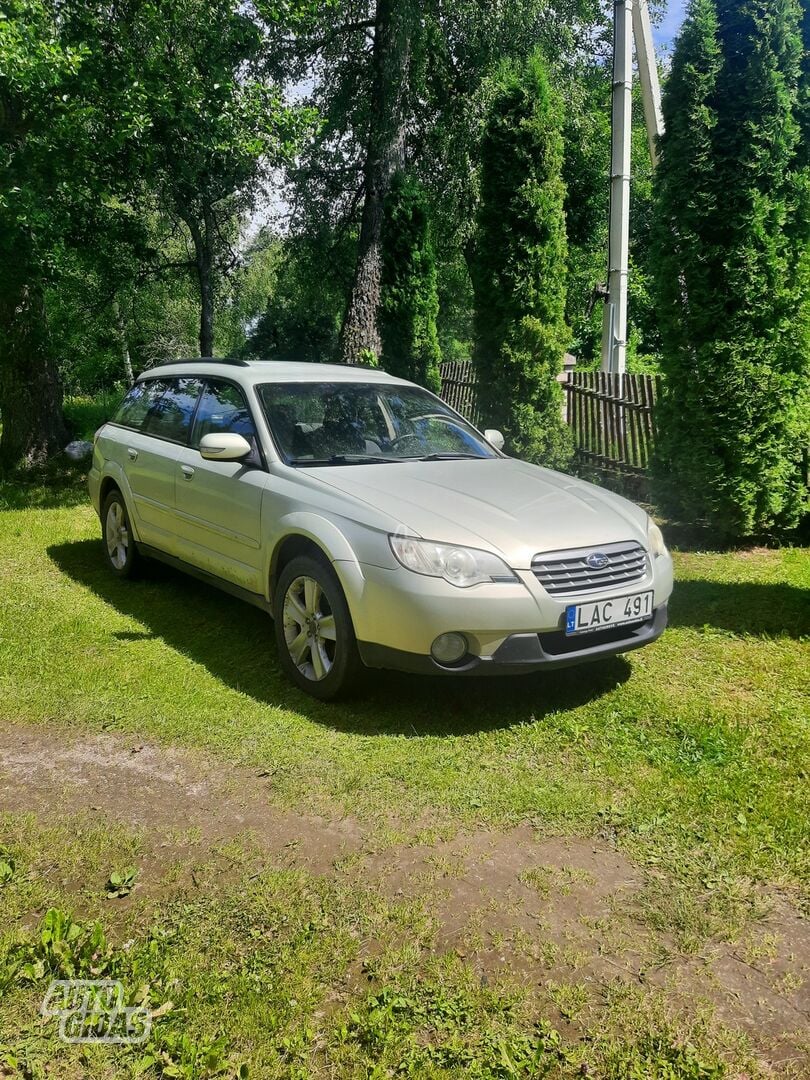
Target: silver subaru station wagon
column 374, row 523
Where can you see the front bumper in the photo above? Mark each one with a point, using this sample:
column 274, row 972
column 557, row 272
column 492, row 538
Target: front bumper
column 522, row 654
column 404, row 612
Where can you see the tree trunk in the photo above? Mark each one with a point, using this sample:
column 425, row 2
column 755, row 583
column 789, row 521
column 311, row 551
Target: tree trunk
column 30, row 388
column 203, row 261
column 385, row 154
column 120, row 326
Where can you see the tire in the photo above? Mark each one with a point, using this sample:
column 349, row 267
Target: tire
column 309, row 601
column 120, row 550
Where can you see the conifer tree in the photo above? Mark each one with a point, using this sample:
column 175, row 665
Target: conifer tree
column 519, row 267
column 731, row 237
column 409, row 301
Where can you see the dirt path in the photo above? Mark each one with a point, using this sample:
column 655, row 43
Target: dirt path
column 160, row 790
column 551, row 911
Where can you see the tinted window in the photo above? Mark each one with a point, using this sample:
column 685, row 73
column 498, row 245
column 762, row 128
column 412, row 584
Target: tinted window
column 223, row 408
column 170, row 415
column 133, row 409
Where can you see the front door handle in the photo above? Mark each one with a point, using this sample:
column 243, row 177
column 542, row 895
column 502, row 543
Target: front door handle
column 133, row 453
column 188, row 471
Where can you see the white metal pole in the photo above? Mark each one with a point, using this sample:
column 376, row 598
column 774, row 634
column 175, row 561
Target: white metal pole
column 614, row 336
column 648, row 76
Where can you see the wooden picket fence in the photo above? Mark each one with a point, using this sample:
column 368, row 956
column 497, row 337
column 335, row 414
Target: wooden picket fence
column 612, row 419
column 459, row 388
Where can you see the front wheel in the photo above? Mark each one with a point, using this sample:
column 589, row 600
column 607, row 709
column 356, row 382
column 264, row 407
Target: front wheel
column 314, row 631
column 119, row 545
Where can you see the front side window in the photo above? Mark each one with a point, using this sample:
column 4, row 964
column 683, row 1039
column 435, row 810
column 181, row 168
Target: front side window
column 345, row 423
column 170, row 416
column 141, row 397
column 223, row 408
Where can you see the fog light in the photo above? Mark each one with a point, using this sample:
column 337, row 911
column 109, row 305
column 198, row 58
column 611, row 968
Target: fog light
column 449, row 648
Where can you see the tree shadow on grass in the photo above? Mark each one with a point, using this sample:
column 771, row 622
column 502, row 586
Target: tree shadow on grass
column 744, row 608
column 57, row 486
column 234, row 642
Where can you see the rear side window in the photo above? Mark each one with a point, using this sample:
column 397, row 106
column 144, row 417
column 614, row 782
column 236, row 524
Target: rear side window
column 133, row 409
column 170, row 415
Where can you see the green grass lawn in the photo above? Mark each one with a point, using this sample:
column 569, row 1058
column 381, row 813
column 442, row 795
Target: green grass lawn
column 691, row 756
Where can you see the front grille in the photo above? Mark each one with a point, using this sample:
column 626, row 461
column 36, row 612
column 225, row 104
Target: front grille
column 564, row 572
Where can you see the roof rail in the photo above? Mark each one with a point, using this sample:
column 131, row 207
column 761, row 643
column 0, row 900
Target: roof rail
column 235, row 360
column 334, row 363
column 238, row 361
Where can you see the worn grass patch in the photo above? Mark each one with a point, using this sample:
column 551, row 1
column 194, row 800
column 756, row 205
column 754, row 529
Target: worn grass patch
column 283, row 974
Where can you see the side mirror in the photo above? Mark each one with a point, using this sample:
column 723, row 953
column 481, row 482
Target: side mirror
column 224, row 446
column 494, row 437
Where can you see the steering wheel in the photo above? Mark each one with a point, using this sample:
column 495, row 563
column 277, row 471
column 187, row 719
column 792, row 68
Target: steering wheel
column 401, row 438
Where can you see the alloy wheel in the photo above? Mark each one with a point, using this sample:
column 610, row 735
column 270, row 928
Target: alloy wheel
column 117, row 535
column 309, row 628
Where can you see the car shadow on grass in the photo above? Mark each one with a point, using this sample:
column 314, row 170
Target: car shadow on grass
column 767, row 609
column 234, row 642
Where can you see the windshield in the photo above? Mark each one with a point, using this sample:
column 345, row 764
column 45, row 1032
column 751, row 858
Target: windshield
column 343, row 423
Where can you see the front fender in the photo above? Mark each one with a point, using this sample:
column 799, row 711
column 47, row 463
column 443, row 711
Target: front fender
column 330, row 539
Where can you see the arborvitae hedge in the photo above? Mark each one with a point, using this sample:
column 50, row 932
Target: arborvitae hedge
column 732, row 234
column 409, row 301
column 519, row 268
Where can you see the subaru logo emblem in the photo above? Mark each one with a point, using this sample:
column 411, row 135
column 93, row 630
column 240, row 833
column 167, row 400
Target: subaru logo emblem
column 597, row 560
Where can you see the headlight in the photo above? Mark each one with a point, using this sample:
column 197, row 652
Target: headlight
column 655, row 540
column 461, row 566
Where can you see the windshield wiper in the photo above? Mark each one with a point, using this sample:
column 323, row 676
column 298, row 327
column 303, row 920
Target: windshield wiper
column 445, row 456
column 347, row 459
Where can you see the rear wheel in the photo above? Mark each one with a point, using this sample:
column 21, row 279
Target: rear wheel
column 119, row 545
column 314, row 631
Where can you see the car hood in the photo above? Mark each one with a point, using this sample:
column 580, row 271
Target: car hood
column 499, row 504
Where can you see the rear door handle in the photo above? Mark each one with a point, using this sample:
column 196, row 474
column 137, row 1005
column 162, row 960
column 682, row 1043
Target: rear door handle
column 188, row 471
column 133, row 453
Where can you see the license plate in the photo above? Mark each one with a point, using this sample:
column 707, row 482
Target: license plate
column 604, row 614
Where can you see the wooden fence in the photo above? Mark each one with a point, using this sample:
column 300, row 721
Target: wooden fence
column 612, row 418
column 459, row 388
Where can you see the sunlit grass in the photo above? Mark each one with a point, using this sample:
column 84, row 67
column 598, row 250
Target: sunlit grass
column 694, row 751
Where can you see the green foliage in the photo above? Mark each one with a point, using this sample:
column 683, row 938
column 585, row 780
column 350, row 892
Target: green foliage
column 243, row 296
column 55, row 194
column 120, row 883
column 210, row 122
column 409, row 302
column 731, row 249
column 85, row 414
column 136, row 141
column 8, row 866
column 519, row 267
column 62, row 949
column 306, row 298
column 586, row 136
